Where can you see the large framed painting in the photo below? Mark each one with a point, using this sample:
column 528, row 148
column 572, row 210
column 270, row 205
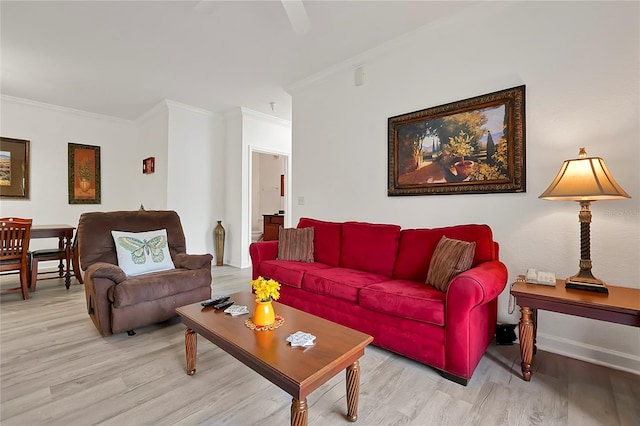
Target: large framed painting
column 472, row 146
column 14, row 168
column 84, row 174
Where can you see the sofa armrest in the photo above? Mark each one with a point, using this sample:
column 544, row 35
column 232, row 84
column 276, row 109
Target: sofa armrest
column 192, row 261
column 470, row 315
column 477, row 285
column 260, row 252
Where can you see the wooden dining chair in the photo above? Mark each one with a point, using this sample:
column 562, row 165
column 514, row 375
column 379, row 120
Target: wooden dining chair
column 14, row 246
column 58, row 254
column 45, row 255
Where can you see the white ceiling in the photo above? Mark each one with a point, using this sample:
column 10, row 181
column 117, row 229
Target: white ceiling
column 120, row 58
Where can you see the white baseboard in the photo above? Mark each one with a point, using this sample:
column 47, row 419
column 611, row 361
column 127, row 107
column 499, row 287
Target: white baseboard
column 593, row 354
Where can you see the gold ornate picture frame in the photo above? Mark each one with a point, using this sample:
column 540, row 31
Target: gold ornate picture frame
column 472, row 146
column 14, row 168
column 84, row 174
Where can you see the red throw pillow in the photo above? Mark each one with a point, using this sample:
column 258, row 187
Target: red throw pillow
column 295, row 244
column 450, row 258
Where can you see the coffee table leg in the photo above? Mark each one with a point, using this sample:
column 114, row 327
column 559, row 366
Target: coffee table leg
column 299, row 412
column 526, row 330
column 191, row 347
column 353, row 390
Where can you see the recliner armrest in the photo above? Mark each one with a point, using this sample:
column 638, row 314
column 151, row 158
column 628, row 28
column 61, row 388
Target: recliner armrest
column 192, row 261
column 98, row 279
column 107, row 270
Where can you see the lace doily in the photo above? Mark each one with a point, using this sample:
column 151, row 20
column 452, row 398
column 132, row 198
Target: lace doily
column 249, row 323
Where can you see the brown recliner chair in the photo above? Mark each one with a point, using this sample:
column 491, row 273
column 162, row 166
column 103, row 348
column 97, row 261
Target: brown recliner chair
column 117, row 302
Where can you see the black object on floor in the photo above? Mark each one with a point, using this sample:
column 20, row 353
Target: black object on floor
column 505, row 334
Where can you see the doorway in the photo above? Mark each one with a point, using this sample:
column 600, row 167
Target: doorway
column 268, row 183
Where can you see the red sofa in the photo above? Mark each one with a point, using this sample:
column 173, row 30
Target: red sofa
column 371, row 277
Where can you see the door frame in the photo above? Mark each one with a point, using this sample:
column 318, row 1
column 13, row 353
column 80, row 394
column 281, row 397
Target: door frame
column 287, row 184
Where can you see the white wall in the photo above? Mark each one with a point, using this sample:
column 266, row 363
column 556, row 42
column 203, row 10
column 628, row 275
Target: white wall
column 49, row 129
column 188, row 145
column 233, row 205
column 579, row 62
column 153, row 137
column 195, row 152
column 248, row 131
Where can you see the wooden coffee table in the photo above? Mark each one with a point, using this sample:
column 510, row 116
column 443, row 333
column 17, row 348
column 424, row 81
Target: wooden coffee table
column 297, row 371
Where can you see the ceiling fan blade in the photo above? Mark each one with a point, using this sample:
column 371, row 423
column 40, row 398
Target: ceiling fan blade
column 297, row 16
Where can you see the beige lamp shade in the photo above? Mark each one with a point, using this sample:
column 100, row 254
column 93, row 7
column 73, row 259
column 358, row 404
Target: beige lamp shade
column 584, row 179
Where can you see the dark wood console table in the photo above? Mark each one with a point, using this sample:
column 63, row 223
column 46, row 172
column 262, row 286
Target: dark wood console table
column 271, row 226
column 621, row 306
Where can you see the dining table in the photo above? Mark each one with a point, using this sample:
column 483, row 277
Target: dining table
column 64, row 233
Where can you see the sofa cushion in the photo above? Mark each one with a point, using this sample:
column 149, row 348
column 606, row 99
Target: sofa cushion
column 450, row 258
column 288, row 272
column 326, row 240
column 157, row 285
column 142, row 252
column 405, row 299
column 417, row 246
column 295, row 244
column 369, row 247
column 342, row 283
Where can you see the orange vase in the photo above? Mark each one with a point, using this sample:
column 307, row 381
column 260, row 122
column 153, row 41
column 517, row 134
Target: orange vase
column 263, row 314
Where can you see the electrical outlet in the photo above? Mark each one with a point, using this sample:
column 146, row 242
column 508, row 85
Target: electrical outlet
column 301, row 201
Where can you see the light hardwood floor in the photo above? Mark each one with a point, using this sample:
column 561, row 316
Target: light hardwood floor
column 56, row 369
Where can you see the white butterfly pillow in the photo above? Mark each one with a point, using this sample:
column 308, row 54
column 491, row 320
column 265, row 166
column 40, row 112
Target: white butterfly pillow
column 142, row 252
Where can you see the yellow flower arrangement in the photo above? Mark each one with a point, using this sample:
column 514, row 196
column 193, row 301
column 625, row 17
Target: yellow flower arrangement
column 266, row 290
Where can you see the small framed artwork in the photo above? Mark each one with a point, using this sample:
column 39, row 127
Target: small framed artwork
column 84, row 174
column 149, row 165
column 472, row 146
column 14, row 168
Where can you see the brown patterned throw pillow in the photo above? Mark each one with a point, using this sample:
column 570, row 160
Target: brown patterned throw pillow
column 450, row 258
column 295, row 244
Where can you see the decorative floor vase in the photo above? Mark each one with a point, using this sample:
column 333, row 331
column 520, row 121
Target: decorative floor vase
column 218, row 242
column 263, row 314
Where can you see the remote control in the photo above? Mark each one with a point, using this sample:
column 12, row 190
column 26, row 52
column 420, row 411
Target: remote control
column 215, row 301
column 223, row 305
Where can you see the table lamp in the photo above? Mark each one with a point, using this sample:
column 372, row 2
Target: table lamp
column 584, row 179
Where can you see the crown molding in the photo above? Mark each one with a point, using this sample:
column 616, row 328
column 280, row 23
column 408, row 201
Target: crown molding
column 168, row 104
column 173, row 104
column 58, row 108
column 233, row 114
column 240, row 113
column 153, row 111
column 246, row 112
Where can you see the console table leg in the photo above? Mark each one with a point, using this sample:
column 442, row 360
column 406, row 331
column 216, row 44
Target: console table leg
column 353, row 390
column 526, row 330
column 191, row 348
column 299, row 412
